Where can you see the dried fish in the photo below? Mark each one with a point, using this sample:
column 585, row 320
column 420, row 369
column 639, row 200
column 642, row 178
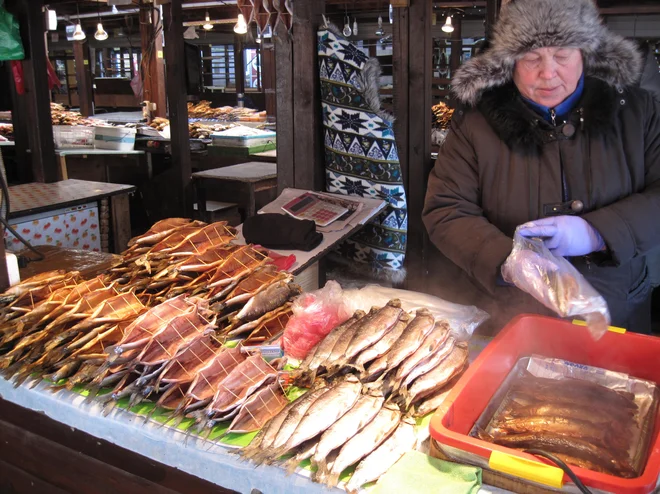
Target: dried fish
column 272, row 297
column 363, row 443
column 410, row 341
column 425, row 358
column 363, row 412
column 382, row 346
column 259, row 409
column 437, row 377
column 385, row 456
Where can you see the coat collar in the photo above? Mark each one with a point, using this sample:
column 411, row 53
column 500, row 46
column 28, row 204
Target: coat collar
column 521, row 127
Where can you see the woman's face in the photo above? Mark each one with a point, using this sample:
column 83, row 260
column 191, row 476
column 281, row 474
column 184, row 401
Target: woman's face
column 548, row 76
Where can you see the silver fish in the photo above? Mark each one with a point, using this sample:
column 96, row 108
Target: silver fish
column 385, row 456
column 405, row 346
column 363, row 412
column 382, row 346
column 305, row 450
column 432, row 402
column 290, row 423
column 364, row 442
column 325, row 411
column 435, row 348
column 370, row 330
column 322, row 351
column 439, row 376
column 339, row 348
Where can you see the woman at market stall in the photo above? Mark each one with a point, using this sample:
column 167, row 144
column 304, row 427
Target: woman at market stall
column 554, row 135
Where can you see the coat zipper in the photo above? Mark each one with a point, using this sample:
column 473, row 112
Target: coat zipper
column 564, row 185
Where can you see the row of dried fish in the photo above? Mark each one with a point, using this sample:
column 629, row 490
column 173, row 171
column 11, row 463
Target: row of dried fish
column 583, row 423
column 59, row 325
column 337, row 425
column 410, row 359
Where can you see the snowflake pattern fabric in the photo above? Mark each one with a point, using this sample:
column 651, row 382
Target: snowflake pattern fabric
column 361, row 157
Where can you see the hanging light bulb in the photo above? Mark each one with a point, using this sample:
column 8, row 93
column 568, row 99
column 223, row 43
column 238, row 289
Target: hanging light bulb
column 100, row 33
column 208, row 26
column 79, row 34
column 355, row 27
column 114, row 9
column 448, row 28
column 241, row 25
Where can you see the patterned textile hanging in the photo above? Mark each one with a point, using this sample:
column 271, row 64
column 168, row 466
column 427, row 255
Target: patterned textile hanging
column 361, row 156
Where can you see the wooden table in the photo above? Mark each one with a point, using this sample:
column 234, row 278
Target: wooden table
column 34, row 198
column 105, row 155
column 251, row 177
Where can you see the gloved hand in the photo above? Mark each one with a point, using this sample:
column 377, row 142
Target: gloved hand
column 566, row 236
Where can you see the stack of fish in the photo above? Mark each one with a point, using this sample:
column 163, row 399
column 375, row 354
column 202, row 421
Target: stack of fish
column 369, row 376
column 410, row 359
column 581, row 422
column 176, row 284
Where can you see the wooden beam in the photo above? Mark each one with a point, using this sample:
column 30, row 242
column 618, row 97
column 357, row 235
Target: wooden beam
column 31, row 18
column 176, row 95
column 419, row 138
column 309, row 167
column 153, row 65
column 401, row 47
column 492, row 12
column 84, row 78
column 285, row 101
column 268, row 77
column 239, row 64
column 630, row 10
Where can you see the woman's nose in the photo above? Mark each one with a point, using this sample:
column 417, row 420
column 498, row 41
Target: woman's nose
column 548, row 69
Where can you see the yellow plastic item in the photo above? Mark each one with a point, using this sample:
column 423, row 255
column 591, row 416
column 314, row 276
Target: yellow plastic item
column 614, row 329
column 527, row 469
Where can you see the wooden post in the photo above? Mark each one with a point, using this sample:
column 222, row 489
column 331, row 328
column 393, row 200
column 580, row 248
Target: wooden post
column 285, row 102
column 207, row 65
column 268, row 78
column 176, row 94
column 456, row 46
column 40, row 127
column 20, row 119
column 239, row 64
column 492, row 12
column 153, row 65
column 84, row 77
column 309, row 167
column 412, row 102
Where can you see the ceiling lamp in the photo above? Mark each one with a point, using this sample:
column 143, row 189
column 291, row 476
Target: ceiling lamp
column 241, row 26
column 447, row 27
column 114, row 9
column 208, row 26
column 78, row 34
column 52, row 19
column 380, row 31
column 100, row 33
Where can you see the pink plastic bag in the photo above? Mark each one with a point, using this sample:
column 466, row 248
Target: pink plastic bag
column 315, row 314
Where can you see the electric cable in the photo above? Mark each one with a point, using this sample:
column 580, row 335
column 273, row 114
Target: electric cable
column 567, row 470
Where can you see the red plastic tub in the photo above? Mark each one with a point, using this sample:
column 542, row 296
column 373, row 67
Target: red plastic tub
column 633, row 354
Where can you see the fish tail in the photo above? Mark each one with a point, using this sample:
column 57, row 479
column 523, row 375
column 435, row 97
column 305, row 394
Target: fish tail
column 93, row 392
column 109, row 407
column 6, row 361
column 331, row 479
column 322, row 468
column 291, row 465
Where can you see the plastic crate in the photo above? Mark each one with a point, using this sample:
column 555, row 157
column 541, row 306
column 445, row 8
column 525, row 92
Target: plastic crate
column 73, row 136
column 633, row 354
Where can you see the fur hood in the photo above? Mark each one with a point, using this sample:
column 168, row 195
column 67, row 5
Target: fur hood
column 526, row 25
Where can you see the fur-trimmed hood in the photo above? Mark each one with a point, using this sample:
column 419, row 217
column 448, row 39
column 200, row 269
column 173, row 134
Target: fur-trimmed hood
column 526, row 25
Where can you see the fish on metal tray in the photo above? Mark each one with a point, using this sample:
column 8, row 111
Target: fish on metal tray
column 402, row 440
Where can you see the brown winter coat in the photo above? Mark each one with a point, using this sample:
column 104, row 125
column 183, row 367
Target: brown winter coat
column 502, row 163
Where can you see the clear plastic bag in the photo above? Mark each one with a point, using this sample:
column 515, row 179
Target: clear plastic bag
column 315, row 314
column 555, row 283
column 462, row 319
